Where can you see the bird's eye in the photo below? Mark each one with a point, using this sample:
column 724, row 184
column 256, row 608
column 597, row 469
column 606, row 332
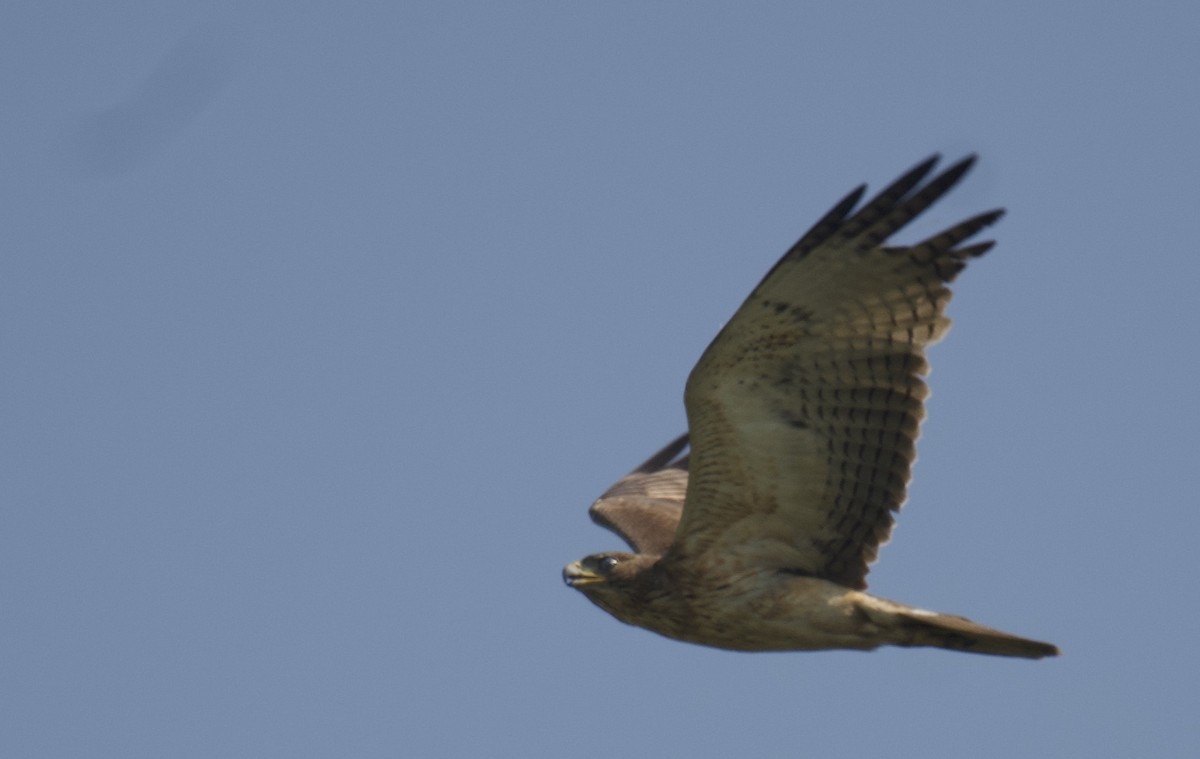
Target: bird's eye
column 607, row 564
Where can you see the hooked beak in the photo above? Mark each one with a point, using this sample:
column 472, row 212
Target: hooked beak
column 576, row 576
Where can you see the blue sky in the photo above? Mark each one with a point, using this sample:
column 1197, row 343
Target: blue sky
column 323, row 324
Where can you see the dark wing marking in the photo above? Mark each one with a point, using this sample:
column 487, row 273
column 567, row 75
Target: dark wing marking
column 644, row 506
column 805, row 409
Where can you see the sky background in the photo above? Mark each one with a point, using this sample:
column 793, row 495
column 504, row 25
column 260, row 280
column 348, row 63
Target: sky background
column 323, row 323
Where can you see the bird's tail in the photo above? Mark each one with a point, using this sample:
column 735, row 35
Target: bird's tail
column 902, row 625
column 926, row 628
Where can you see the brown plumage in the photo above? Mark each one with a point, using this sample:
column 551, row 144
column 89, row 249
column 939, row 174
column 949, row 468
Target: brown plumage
column 803, row 416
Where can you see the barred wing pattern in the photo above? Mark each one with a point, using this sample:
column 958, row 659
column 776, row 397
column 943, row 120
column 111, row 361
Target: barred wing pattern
column 805, row 409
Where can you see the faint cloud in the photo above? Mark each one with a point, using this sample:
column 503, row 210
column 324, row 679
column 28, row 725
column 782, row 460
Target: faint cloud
column 120, row 138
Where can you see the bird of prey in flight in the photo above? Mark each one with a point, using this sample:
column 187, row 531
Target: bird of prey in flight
column 803, row 415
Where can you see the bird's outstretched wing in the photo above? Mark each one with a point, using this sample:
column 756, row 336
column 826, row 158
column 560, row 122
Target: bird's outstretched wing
column 643, row 507
column 804, row 411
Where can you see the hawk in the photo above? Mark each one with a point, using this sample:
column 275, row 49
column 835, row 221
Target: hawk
column 803, row 415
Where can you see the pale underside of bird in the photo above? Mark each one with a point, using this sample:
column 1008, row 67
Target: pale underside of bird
column 803, row 415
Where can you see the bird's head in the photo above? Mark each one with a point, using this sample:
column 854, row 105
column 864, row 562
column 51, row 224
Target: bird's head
column 610, row 574
column 631, row 587
column 597, row 569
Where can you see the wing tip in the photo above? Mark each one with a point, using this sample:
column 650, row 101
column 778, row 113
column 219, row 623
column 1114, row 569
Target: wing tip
column 664, row 457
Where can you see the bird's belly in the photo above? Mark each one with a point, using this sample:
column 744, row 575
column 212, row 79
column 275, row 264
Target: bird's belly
column 776, row 612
